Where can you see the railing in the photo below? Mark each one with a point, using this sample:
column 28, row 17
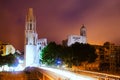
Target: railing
column 97, row 75
column 48, row 75
column 102, row 76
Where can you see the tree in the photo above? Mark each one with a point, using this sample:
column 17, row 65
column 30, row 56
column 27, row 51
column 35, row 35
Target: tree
column 67, row 56
column 73, row 55
column 82, row 53
column 9, row 60
column 107, row 45
column 2, row 61
column 49, row 53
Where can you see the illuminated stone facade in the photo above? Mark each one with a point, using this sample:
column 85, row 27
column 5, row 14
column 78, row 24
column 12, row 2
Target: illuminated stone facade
column 78, row 38
column 41, row 43
column 7, row 49
column 32, row 46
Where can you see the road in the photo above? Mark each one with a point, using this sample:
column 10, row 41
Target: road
column 65, row 75
column 81, row 75
column 45, row 73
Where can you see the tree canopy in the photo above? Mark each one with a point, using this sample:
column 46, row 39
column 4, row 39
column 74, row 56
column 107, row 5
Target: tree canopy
column 51, row 52
column 10, row 60
column 73, row 55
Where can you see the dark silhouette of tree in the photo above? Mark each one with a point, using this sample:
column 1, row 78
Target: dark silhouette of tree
column 49, row 53
column 82, row 53
column 2, row 60
column 73, row 55
column 9, row 60
column 107, row 45
column 67, row 56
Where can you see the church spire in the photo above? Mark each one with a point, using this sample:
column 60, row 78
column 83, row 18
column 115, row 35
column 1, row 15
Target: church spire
column 30, row 16
column 30, row 31
column 31, row 37
column 30, row 20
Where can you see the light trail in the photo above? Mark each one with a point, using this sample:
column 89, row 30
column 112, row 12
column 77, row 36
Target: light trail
column 69, row 75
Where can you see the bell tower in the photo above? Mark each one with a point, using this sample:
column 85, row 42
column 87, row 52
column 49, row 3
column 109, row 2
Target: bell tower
column 30, row 29
column 31, row 56
column 83, row 31
column 83, row 34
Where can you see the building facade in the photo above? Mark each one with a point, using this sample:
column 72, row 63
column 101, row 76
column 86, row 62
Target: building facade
column 32, row 46
column 78, row 38
column 41, row 43
column 6, row 49
column 108, row 59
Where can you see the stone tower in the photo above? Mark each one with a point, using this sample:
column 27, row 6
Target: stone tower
column 83, row 31
column 30, row 29
column 83, row 34
column 82, row 38
column 31, row 57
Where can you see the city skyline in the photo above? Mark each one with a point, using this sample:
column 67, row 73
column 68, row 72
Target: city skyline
column 58, row 19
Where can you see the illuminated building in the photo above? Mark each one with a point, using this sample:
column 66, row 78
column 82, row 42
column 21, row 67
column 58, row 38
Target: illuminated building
column 31, row 41
column 41, row 43
column 108, row 58
column 78, row 38
column 6, row 49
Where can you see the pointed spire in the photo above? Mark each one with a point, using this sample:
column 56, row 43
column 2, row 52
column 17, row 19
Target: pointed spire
column 30, row 20
column 30, row 16
column 30, row 11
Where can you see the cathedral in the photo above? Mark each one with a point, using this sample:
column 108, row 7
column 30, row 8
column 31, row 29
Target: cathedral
column 33, row 45
column 78, row 38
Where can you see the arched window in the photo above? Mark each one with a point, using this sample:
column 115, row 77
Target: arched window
column 30, row 26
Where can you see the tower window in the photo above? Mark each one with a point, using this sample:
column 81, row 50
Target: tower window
column 30, row 26
column 34, row 40
column 26, row 40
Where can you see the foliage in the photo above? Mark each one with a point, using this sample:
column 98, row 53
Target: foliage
column 78, row 53
column 107, row 45
column 50, row 53
column 9, row 60
column 73, row 55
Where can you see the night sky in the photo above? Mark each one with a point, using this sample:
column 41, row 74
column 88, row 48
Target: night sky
column 56, row 19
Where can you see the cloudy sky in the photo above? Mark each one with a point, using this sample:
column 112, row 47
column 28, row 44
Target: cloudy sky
column 56, row 19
